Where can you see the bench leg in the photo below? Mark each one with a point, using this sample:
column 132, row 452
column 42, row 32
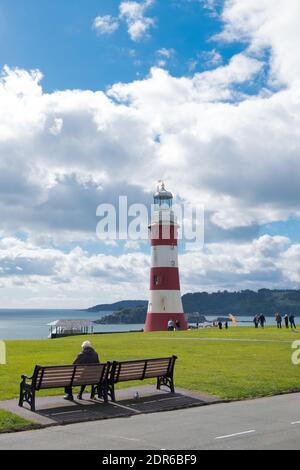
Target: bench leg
column 21, row 399
column 104, row 392
column 32, row 404
column 27, row 395
column 93, row 391
column 110, row 390
column 172, row 388
column 167, row 382
column 158, row 383
column 101, row 391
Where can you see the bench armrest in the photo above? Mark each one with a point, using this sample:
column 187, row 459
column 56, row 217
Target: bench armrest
column 26, row 377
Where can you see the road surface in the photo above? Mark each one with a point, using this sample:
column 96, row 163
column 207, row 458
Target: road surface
column 266, row 423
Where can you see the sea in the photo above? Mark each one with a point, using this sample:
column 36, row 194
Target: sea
column 33, row 324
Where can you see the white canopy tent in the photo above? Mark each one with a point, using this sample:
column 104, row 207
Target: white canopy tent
column 70, row 327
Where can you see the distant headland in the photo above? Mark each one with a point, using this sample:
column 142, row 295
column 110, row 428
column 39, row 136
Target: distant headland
column 222, row 303
column 117, row 306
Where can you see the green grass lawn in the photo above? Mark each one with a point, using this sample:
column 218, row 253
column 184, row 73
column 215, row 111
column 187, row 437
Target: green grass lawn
column 11, row 422
column 229, row 369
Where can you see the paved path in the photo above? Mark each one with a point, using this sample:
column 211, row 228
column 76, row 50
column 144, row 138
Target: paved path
column 55, row 410
column 267, row 423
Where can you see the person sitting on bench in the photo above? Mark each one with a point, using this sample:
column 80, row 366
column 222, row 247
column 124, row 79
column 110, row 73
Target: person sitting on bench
column 87, row 356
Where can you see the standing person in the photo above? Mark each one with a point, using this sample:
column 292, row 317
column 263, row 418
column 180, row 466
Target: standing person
column 226, row 325
column 170, row 325
column 255, row 321
column 292, row 321
column 286, row 320
column 177, row 325
column 262, row 320
column 220, row 325
column 278, row 319
column 87, row 356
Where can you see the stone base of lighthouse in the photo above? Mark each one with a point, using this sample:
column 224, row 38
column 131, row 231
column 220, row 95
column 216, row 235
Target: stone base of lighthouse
column 159, row 321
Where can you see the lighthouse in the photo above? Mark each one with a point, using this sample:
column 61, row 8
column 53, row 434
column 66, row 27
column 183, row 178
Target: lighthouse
column 165, row 299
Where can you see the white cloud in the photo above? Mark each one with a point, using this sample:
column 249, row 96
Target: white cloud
column 211, row 58
column 265, row 262
column 105, row 24
column 50, row 270
column 87, row 135
column 63, row 153
column 167, row 53
column 57, row 126
column 211, row 6
column 134, row 14
column 267, row 24
column 163, row 56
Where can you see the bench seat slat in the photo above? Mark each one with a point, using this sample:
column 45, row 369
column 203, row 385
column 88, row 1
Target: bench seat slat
column 54, row 385
column 154, row 374
column 129, row 377
column 130, row 372
column 148, row 375
column 160, row 370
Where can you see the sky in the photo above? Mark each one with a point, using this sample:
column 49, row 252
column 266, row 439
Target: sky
column 101, row 99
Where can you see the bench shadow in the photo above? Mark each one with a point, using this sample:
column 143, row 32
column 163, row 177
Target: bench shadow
column 87, row 410
column 92, row 410
column 162, row 402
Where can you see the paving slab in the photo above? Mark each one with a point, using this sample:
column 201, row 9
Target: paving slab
column 56, row 411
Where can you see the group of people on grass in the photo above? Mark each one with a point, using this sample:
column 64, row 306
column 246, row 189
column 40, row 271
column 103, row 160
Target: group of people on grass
column 173, row 326
column 259, row 320
column 289, row 320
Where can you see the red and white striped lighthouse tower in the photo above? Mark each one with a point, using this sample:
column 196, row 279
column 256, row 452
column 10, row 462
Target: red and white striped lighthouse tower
column 165, row 299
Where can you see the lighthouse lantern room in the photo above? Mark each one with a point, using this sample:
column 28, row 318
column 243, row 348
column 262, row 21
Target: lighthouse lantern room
column 165, row 299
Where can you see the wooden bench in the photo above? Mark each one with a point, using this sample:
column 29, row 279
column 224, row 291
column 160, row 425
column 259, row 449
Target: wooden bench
column 162, row 369
column 48, row 377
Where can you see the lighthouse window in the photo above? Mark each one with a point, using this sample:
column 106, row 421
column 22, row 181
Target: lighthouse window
column 156, row 280
column 159, row 201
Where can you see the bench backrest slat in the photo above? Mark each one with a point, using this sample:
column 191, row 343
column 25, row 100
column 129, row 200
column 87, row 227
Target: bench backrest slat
column 129, row 370
column 141, row 369
column 72, row 375
column 91, row 375
column 52, row 377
